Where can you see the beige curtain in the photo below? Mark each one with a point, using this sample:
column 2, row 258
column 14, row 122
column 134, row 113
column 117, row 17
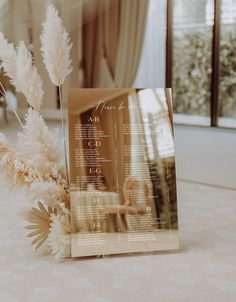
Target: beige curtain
column 100, row 37
column 133, row 16
column 113, row 34
column 91, row 41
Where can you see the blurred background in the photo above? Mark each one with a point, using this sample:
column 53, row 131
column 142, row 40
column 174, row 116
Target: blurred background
column 184, row 44
column 99, row 30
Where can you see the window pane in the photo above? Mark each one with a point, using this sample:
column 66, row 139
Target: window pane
column 192, row 54
column 227, row 89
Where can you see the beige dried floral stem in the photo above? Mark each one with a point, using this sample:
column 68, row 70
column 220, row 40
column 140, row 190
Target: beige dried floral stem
column 56, row 47
column 23, row 173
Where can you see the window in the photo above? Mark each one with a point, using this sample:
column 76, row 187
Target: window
column 227, row 85
column 192, row 45
column 204, row 62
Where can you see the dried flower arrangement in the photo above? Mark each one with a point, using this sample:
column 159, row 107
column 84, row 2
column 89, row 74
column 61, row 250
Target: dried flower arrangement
column 38, row 162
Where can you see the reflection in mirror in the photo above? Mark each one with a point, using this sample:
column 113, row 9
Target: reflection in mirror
column 122, row 171
column 98, row 30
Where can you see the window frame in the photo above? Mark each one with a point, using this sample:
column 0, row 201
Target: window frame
column 215, row 63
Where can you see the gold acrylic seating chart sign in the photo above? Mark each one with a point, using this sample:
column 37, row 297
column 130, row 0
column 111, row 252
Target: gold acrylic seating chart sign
column 122, row 171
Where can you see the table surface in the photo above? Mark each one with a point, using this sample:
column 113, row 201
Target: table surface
column 203, row 270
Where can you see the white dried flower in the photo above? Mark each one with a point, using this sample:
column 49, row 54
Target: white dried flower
column 28, row 80
column 49, row 192
column 56, row 47
column 40, row 147
column 59, row 236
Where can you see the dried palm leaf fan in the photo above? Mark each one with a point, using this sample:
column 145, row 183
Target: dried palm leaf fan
column 41, row 222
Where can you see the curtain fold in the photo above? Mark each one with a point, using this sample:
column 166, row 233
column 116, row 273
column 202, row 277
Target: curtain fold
column 111, row 30
column 92, row 41
column 113, row 35
column 132, row 29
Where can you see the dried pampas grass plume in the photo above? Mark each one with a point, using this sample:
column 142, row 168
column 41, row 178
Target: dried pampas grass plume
column 28, row 80
column 18, row 66
column 8, row 58
column 40, row 147
column 56, row 47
